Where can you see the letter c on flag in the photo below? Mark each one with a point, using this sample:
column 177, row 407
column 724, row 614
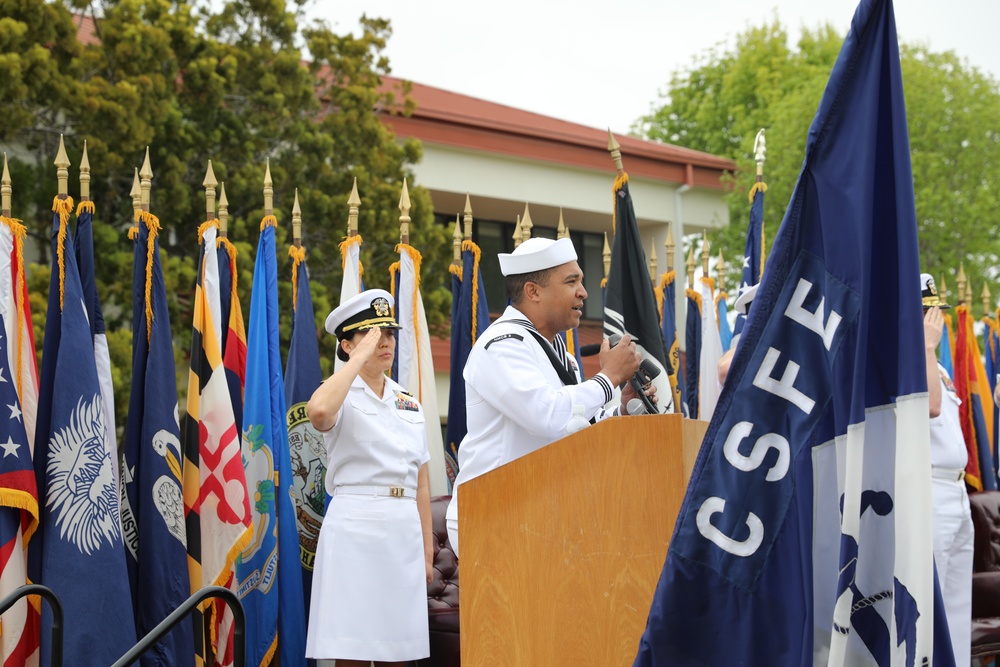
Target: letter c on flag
column 747, row 547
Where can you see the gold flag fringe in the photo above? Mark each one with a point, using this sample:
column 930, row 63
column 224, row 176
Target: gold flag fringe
column 153, row 227
column 759, row 186
column 63, row 207
column 298, row 256
column 476, row 253
column 268, row 221
column 18, row 232
column 620, row 182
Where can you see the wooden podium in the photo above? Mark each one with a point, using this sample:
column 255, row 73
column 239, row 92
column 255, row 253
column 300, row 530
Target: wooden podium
column 561, row 549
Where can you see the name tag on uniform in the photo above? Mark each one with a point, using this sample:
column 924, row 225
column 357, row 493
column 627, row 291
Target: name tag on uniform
column 404, row 402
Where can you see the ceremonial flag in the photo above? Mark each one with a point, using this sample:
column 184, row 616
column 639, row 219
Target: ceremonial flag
column 268, row 572
column 666, row 302
column 351, row 285
column 753, row 253
column 992, row 348
column 152, row 501
column 630, row 305
column 804, row 537
column 216, row 504
column 692, row 358
column 414, row 367
column 305, row 443
column 976, row 410
column 18, row 489
column 470, row 315
column 711, row 352
column 947, row 345
column 78, row 549
column 725, row 333
column 234, row 337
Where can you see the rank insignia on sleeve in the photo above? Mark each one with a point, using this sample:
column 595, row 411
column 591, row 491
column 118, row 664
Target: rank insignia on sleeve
column 504, row 337
column 404, row 402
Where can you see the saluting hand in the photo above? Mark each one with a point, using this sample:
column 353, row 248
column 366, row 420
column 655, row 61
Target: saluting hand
column 366, row 349
column 933, row 328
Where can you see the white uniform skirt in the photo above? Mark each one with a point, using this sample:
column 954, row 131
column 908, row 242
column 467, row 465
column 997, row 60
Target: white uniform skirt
column 369, row 588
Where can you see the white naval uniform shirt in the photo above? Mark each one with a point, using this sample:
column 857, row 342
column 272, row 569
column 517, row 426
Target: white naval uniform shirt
column 376, row 441
column 515, row 401
column 947, row 442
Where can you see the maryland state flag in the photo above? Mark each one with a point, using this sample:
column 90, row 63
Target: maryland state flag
column 666, row 303
column 692, row 359
column 234, row 336
column 976, row 411
column 152, row 498
column 18, row 490
column 268, row 573
column 470, row 315
column 629, row 302
column 79, row 549
column 305, row 443
column 216, row 504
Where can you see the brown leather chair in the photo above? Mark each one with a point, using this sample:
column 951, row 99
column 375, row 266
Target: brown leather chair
column 985, row 508
column 442, row 594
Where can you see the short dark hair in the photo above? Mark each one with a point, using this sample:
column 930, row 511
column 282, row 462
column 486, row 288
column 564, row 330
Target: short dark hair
column 341, row 353
column 514, row 284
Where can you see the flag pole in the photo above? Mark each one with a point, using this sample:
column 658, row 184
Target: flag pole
column 467, row 220
column 297, row 221
column 562, row 231
column 353, row 202
column 209, row 184
column 145, row 182
column 404, row 215
column 961, row 283
column 986, row 299
column 62, row 170
column 690, row 267
column 526, row 224
column 669, row 244
column 268, row 190
column 517, row 232
column 5, row 190
column 652, row 262
column 136, row 194
column 704, row 254
column 943, row 291
column 720, row 269
column 84, row 174
column 456, row 244
column 760, row 155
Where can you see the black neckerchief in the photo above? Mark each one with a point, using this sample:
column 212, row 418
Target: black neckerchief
column 567, row 377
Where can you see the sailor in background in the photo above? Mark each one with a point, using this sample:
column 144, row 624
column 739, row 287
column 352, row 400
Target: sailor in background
column 374, row 557
column 523, row 390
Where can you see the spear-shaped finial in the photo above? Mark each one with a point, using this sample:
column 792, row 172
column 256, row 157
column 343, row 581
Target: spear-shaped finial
column 720, row 269
column 616, row 153
column 606, row 254
column 704, row 254
column 669, row 244
column 468, row 218
column 652, row 261
column 296, row 221
column 136, row 194
column 5, row 189
column 353, row 202
column 760, row 153
column 268, row 189
column 62, row 169
column 986, row 300
column 517, row 232
column 209, row 184
column 691, row 263
column 526, row 224
column 961, row 283
column 223, row 210
column 404, row 215
column 562, row 232
column 456, row 243
column 968, row 295
column 85, row 174
column 145, row 181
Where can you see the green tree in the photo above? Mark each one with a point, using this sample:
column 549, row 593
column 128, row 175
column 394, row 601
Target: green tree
column 222, row 81
column 726, row 95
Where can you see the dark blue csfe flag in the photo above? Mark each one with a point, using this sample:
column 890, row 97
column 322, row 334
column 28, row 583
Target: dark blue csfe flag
column 153, row 501
column 470, row 315
column 268, row 572
column 305, row 443
column 753, row 260
column 78, row 550
column 804, row 537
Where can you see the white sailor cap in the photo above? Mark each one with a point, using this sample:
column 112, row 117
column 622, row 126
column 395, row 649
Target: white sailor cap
column 372, row 308
column 742, row 304
column 536, row 254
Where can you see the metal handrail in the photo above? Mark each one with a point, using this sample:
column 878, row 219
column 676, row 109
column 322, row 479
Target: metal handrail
column 176, row 616
column 57, row 615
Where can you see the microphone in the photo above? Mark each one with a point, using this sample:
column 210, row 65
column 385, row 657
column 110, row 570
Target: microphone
column 635, row 407
column 647, row 371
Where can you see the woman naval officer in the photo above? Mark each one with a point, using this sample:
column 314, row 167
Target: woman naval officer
column 374, row 558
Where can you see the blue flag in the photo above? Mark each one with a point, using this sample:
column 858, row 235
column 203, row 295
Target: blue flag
column 153, row 502
column 692, row 358
column 991, row 346
column 305, row 443
column 668, row 322
column 725, row 334
column 268, row 573
column 804, row 538
column 470, row 315
column 944, row 350
column 752, row 254
column 78, row 550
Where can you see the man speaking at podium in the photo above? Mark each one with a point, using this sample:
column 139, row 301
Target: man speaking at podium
column 523, row 390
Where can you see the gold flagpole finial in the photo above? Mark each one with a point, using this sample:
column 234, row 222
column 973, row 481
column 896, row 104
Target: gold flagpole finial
column 943, row 289
column 5, row 189
column 986, row 300
column 562, row 232
column 691, row 263
column 62, row 169
column 296, row 221
column 526, row 224
column 223, row 210
column 467, row 220
column 456, row 243
column 268, row 189
column 704, row 254
column 968, row 295
column 145, row 181
column 760, row 153
column 652, row 260
column 353, row 202
column 136, row 194
column 961, row 283
column 616, row 153
column 404, row 215
column 606, row 254
column 85, row 174
column 669, row 244
column 720, row 269
column 517, row 232
column 209, row 184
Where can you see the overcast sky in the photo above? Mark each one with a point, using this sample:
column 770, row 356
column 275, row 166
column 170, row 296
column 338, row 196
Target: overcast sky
column 603, row 64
